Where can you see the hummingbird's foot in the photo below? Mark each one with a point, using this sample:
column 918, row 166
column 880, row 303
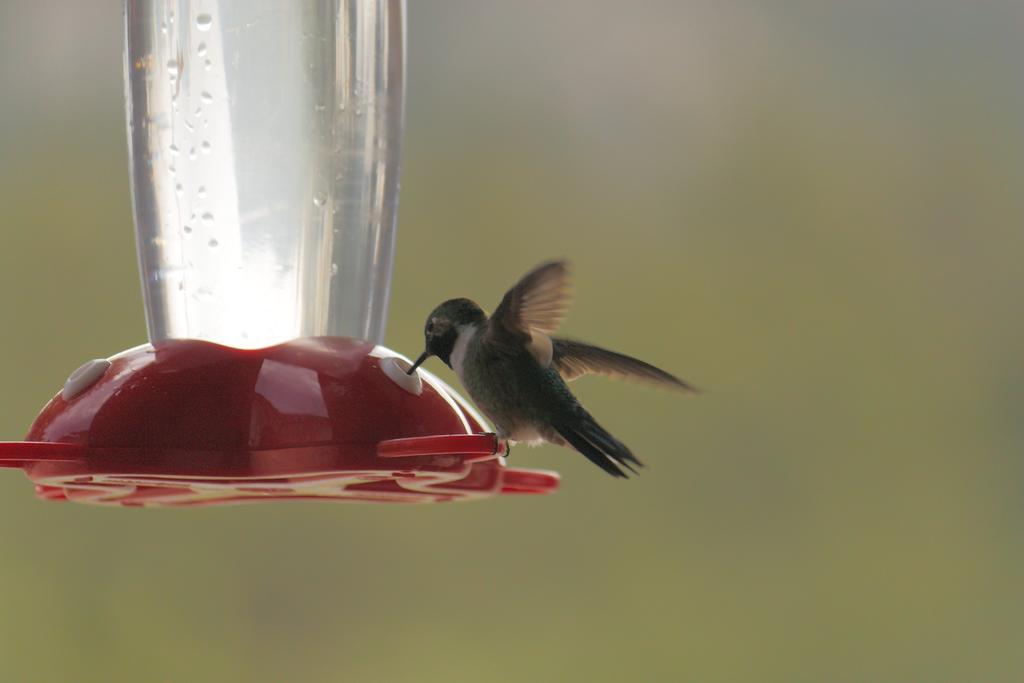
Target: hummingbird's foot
column 508, row 449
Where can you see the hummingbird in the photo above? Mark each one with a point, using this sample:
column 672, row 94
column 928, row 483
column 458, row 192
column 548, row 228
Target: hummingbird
column 517, row 372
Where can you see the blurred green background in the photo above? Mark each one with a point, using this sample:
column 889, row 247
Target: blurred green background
column 815, row 210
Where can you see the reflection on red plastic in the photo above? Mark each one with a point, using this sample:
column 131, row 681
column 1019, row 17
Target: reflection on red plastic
column 190, row 423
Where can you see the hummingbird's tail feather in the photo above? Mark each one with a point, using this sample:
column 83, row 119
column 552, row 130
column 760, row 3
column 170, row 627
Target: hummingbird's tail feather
column 600, row 447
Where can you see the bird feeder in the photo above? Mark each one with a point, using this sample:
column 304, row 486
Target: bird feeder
column 265, row 146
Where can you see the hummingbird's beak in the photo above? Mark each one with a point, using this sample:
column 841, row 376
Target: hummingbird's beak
column 419, row 361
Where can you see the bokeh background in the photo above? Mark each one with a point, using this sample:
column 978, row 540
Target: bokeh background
column 814, row 210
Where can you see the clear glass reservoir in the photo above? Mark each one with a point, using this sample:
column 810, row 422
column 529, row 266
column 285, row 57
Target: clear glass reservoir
column 265, row 144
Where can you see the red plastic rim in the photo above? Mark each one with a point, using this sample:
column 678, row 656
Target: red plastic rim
column 190, row 423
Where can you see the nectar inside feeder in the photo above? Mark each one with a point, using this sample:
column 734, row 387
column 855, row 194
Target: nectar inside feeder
column 265, row 145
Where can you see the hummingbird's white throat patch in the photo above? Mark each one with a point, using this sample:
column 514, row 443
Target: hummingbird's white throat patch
column 466, row 333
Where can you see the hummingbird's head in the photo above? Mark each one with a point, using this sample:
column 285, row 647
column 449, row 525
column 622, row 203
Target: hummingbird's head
column 442, row 328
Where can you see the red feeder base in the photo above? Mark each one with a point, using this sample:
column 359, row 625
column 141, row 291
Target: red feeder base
column 187, row 423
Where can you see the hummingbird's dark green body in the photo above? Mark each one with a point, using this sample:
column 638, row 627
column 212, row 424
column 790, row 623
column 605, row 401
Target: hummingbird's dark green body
column 498, row 383
column 516, row 373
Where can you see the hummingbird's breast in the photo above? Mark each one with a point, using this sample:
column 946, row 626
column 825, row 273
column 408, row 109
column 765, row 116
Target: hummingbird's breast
column 512, row 390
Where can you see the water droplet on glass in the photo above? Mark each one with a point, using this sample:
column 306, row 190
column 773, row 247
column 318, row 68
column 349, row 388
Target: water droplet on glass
column 171, row 169
column 187, row 229
column 206, row 97
column 319, row 199
column 204, row 294
column 334, row 269
column 201, row 192
column 179, row 189
column 172, row 68
column 213, row 243
column 319, row 106
column 203, row 22
column 163, row 27
column 189, row 127
column 208, row 64
column 199, row 112
column 207, row 219
column 201, row 50
column 206, row 147
column 192, row 154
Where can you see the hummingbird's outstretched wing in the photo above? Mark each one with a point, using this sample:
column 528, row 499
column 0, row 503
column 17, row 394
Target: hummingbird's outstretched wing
column 574, row 359
column 537, row 303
